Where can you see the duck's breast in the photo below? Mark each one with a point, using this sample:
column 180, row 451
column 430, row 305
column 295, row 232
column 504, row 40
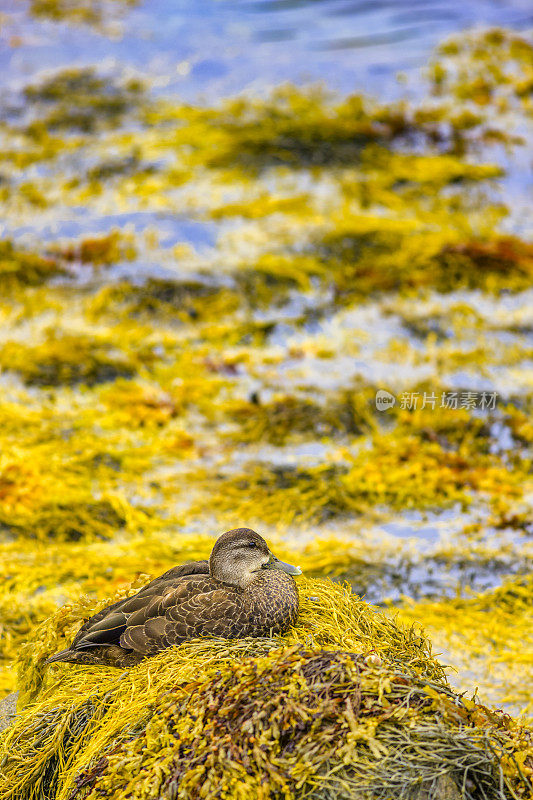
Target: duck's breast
column 273, row 602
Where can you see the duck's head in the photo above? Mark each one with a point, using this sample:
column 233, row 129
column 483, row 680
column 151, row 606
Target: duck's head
column 239, row 555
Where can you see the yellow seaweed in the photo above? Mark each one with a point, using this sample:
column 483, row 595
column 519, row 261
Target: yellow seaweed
column 237, row 386
column 356, row 688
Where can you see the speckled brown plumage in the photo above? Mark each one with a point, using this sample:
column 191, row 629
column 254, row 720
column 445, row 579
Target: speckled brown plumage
column 243, row 590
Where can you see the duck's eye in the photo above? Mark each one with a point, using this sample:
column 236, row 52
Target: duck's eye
column 252, row 544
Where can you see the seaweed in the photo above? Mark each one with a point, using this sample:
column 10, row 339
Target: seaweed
column 67, row 521
column 407, row 471
column 319, row 717
column 481, row 263
column 82, row 100
column 178, row 300
column 88, row 12
column 347, row 701
column 353, row 246
column 491, row 65
column 19, row 267
column 110, row 248
column 66, row 360
column 496, row 627
column 310, row 127
column 286, row 418
column 365, row 258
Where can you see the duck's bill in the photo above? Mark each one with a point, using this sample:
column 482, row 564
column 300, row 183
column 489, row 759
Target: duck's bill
column 275, row 563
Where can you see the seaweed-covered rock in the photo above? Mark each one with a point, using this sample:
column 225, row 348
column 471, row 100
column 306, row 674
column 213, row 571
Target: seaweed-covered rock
column 20, row 267
column 66, row 360
column 82, row 100
column 8, row 709
column 303, row 723
column 348, row 704
column 67, row 521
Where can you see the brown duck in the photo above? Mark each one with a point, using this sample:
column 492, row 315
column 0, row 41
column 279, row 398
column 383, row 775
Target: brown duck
column 243, row 590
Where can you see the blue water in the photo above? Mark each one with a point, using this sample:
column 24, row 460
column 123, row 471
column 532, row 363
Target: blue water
column 214, row 48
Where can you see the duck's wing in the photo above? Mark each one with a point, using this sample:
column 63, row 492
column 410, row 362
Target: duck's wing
column 106, row 627
column 181, row 571
column 129, row 604
column 191, row 610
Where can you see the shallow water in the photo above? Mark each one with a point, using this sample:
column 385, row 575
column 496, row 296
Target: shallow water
column 214, row 48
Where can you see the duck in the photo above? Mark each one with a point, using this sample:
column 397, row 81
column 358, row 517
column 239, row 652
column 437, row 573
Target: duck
column 242, row 590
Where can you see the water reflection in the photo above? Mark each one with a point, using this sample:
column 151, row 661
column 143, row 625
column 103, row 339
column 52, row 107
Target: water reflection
column 232, row 46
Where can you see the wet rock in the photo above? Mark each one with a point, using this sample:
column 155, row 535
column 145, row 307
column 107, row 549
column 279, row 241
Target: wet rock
column 443, row 788
column 8, row 709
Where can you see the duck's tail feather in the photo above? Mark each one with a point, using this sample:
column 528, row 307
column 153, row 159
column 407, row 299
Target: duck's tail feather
column 64, row 655
column 109, row 656
column 85, row 656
